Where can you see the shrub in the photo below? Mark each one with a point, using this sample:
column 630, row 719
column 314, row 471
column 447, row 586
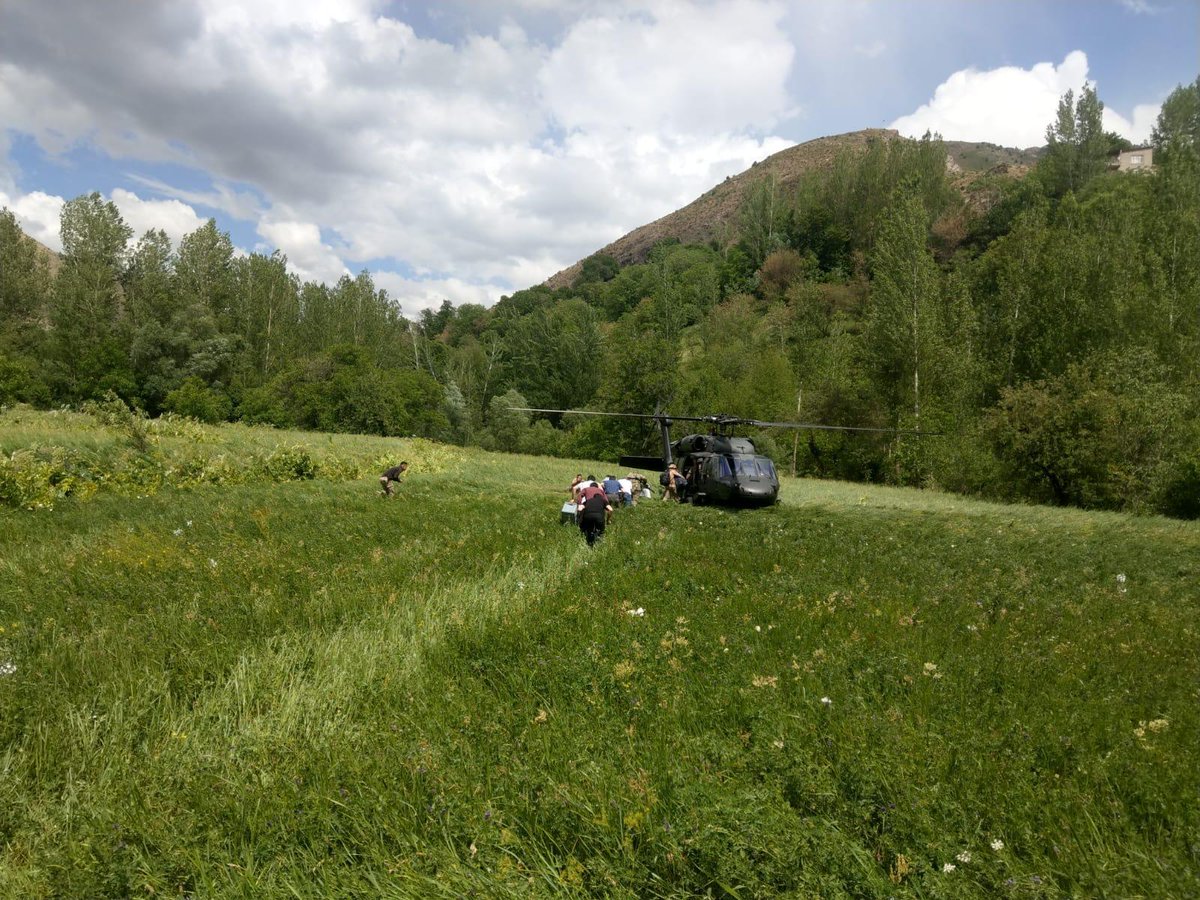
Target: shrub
column 1178, row 494
column 1095, row 436
column 292, row 463
column 37, row 478
column 115, row 413
column 197, row 400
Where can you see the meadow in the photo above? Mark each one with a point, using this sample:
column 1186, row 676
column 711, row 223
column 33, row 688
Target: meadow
column 275, row 683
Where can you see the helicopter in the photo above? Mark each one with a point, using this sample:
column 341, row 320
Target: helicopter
column 719, row 466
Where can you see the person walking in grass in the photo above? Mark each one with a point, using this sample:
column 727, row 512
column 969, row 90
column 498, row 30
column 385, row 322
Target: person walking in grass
column 673, row 483
column 612, row 490
column 594, row 513
column 392, row 475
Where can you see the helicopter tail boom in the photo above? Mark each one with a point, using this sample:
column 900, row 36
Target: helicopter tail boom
column 654, row 463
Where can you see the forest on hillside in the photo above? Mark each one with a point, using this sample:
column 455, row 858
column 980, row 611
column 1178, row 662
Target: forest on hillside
column 1047, row 325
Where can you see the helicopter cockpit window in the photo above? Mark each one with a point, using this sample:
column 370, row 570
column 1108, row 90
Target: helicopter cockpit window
column 720, row 467
column 745, row 467
column 753, row 467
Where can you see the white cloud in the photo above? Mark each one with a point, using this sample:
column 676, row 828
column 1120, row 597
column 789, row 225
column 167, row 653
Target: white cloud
column 871, row 50
column 175, row 218
column 1012, row 106
column 1138, row 129
column 310, row 257
column 1009, row 106
column 239, row 204
column 414, row 295
column 38, row 215
column 497, row 159
column 672, row 70
column 1141, row 7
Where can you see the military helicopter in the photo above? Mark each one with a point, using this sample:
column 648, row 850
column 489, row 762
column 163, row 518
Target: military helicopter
column 719, row 466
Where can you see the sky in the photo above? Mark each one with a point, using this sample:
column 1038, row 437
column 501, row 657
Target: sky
column 464, row 149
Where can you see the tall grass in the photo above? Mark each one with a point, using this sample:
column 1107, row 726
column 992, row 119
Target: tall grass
column 302, row 689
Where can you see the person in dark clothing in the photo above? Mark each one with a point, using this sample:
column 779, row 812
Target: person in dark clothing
column 392, row 475
column 593, row 514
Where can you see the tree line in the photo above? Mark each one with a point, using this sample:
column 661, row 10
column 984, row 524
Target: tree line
column 1048, row 326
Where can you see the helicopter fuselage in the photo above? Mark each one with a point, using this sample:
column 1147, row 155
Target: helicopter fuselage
column 725, row 470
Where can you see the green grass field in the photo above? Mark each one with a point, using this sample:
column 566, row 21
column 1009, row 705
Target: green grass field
column 259, row 688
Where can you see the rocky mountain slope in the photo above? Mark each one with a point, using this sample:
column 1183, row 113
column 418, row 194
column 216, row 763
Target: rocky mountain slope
column 715, row 213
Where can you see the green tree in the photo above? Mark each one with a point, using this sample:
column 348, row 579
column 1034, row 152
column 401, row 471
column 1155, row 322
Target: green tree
column 265, row 314
column 762, row 217
column 507, row 424
column 1099, row 435
column 89, row 356
column 598, row 267
column 1077, row 146
column 1177, row 129
column 904, row 321
column 554, row 356
column 24, row 280
column 205, row 276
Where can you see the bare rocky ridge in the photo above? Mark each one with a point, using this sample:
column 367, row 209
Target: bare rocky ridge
column 53, row 260
column 714, row 214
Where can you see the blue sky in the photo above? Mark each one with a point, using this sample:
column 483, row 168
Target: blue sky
column 467, row 148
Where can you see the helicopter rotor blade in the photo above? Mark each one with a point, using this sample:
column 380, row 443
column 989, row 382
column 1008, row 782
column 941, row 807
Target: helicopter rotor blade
column 810, row 426
column 622, row 415
column 730, row 421
column 584, row 412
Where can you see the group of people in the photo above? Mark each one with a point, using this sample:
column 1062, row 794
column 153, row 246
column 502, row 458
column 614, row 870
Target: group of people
column 594, row 501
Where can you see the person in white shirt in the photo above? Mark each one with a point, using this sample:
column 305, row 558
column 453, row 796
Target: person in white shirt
column 626, row 485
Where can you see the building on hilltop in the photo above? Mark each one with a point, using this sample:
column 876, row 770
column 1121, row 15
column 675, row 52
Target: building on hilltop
column 1135, row 159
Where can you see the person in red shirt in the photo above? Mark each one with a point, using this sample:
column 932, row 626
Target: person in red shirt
column 594, row 513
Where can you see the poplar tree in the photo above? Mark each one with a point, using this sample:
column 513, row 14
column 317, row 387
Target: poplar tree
column 88, row 297
column 903, row 317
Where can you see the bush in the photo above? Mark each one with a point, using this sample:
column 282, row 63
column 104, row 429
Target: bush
column 197, row 400
column 292, row 463
column 38, row 478
column 115, row 413
column 262, row 406
column 1178, row 494
column 1096, row 436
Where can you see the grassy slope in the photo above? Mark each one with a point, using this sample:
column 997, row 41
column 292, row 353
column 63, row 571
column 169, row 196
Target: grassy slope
column 308, row 691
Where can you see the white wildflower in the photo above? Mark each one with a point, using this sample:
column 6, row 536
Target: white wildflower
column 8, row 667
column 964, row 857
column 637, row 612
column 949, row 867
column 177, row 532
column 997, row 845
column 1121, row 582
column 758, row 628
column 825, row 701
column 189, row 523
column 212, row 563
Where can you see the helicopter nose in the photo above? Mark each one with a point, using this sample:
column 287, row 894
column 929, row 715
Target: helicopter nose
column 752, row 492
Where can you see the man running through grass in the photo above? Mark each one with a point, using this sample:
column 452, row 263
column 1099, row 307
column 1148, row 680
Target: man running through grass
column 393, row 474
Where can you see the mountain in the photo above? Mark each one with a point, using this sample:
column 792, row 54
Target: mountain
column 715, row 213
column 53, row 260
